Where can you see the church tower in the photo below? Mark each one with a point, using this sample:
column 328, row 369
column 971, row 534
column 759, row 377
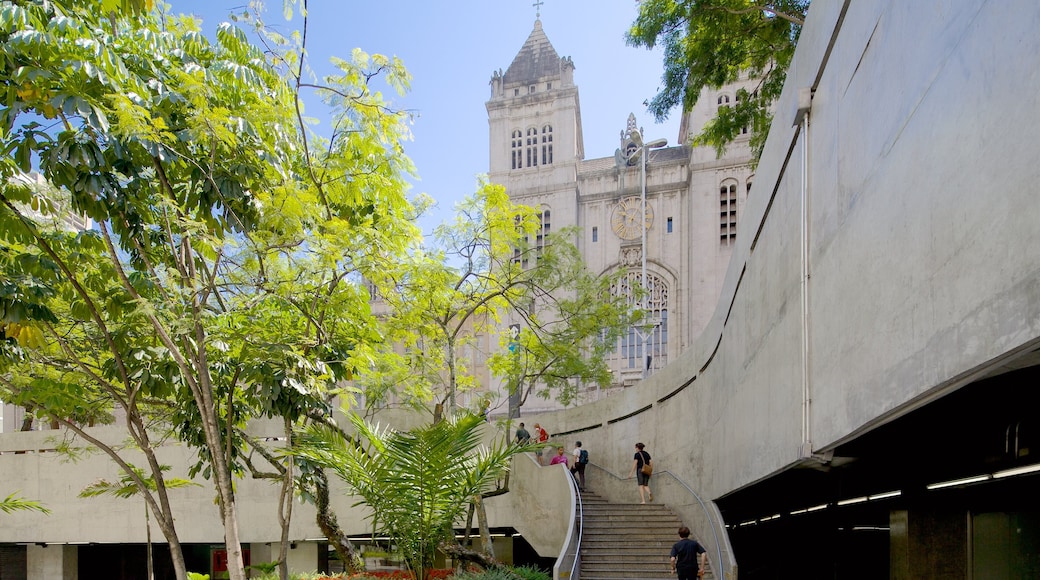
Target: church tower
column 535, row 122
column 663, row 218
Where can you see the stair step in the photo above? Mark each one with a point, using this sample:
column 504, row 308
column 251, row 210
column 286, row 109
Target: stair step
column 621, row 541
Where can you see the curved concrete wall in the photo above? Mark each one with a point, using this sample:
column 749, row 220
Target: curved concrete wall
column 923, row 249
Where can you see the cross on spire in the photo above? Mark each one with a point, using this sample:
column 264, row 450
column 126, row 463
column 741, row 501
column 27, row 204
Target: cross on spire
column 538, row 8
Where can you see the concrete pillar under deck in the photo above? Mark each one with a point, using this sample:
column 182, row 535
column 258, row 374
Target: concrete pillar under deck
column 51, row 562
column 302, row 558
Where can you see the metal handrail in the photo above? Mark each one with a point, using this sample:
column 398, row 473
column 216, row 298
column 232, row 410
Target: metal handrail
column 715, row 522
column 571, row 550
column 707, row 513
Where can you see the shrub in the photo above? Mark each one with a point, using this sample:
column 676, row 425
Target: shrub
column 505, row 573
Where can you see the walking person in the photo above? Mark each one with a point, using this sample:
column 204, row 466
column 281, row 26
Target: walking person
column 686, row 554
column 541, row 436
column 642, row 467
column 581, row 458
column 522, row 436
column 560, row 457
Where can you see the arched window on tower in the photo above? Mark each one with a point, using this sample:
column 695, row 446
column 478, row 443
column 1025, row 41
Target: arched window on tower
column 517, row 149
column 727, row 213
column 528, row 256
column 532, row 147
column 547, row 145
column 643, row 349
column 543, row 233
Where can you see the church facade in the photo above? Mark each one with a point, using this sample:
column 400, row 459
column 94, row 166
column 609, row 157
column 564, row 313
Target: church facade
column 690, row 201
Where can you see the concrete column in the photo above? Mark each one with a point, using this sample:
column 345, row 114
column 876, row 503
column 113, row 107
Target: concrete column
column 51, row 562
column 302, row 558
column 261, row 552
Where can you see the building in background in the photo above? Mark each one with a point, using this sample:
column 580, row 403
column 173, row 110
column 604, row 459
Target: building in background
column 693, row 201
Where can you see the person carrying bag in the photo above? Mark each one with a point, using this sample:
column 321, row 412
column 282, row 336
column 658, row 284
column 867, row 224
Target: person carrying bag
column 642, row 469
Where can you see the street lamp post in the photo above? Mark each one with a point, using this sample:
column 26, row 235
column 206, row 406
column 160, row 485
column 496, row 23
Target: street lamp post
column 643, row 151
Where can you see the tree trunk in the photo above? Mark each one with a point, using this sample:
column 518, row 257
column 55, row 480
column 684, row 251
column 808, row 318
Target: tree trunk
column 485, row 532
column 330, row 525
column 228, row 511
column 469, row 523
column 285, row 503
column 161, row 508
column 464, row 554
column 148, row 538
column 27, row 421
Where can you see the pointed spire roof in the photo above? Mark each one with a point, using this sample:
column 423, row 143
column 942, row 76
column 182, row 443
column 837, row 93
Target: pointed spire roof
column 537, row 58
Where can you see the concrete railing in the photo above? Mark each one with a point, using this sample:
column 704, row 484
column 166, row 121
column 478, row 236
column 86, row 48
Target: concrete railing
column 568, row 563
column 538, row 504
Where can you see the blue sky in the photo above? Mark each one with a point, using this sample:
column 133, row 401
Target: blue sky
column 452, row 49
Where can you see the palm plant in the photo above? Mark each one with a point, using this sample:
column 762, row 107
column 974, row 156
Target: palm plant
column 126, row 488
column 13, row 503
column 417, row 482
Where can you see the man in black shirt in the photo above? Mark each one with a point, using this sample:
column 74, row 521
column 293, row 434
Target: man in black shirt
column 685, row 556
column 522, row 436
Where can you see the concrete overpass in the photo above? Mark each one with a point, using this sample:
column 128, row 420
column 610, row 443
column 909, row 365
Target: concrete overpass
column 878, row 328
column 877, row 332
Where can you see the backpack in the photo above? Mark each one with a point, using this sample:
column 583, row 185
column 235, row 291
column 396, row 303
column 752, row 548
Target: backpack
column 583, row 456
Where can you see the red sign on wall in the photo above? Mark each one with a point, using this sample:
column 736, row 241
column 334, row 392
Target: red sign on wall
column 219, row 562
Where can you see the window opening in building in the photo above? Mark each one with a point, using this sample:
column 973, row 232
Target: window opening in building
column 522, row 257
column 532, row 147
column 516, row 92
column 531, row 89
column 669, row 225
column 517, row 149
column 595, row 234
column 644, row 348
column 727, row 213
column 548, row 86
column 547, row 145
column 543, row 233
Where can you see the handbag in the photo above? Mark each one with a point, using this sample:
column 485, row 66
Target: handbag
column 647, row 468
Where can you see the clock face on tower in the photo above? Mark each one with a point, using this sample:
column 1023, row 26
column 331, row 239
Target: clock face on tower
column 625, row 219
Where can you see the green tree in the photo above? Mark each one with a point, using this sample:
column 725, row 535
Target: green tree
column 417, row 482
column 221, row 280
column 494, row 261
column 708, row 43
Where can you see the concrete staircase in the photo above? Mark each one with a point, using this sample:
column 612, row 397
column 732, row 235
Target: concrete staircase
column 622, row 541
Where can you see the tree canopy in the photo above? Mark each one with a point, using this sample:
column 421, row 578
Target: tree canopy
column 449, row 310
column 221, row 281
column 709, row 43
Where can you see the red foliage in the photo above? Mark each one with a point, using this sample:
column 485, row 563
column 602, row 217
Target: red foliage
column 438, row 574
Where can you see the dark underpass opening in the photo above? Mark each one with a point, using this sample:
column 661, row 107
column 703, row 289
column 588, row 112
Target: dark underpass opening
column 949, row 490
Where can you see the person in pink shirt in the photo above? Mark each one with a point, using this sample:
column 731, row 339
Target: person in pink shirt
column 560, row 457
